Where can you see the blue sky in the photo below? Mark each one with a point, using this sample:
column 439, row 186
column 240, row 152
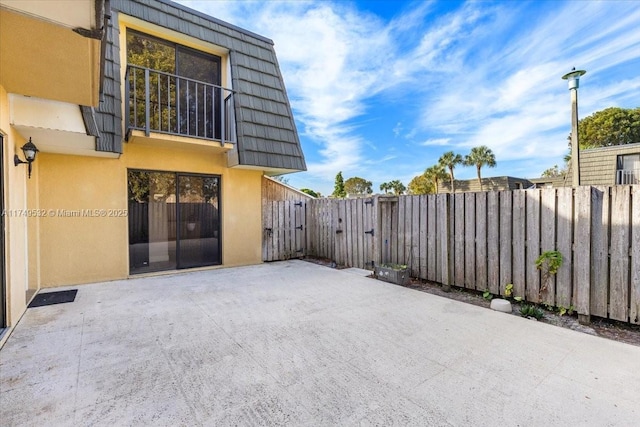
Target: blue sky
column 380, row 89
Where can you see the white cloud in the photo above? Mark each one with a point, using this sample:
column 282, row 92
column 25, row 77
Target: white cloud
column 437, row 142
column 397, row 130
column 481, row 74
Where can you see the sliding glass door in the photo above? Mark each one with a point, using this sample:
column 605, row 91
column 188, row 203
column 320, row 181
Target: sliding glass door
column 3, row 291
column 198, row 221
column 174, row 221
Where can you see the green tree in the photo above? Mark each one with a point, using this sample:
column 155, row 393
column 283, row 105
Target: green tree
column 450, row 160
column 420, row 184
column 281, row 178
column 554, row 172
column 310, row 192
column 434, row 174
column 396, row 187
column 357, row 185
column 479, row 157
column 338, row 189
column 611, row 126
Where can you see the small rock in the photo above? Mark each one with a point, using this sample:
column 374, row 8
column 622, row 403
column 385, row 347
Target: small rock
column 501, row 305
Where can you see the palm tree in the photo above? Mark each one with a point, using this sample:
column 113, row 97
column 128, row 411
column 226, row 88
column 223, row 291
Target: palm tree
column 479, row 157
column 449, row 160
column 434, row 174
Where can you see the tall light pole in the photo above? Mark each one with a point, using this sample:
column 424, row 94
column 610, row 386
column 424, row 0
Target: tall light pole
column 574, row 82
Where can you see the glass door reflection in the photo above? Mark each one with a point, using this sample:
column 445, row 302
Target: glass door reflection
column 174, row 221
column 198, row 221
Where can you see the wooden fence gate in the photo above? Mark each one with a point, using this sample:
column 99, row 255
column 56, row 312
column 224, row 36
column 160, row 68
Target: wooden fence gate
column 284, row 225
column 344, row 230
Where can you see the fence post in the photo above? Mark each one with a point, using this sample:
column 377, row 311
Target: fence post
column 443, row 233
column 600, row 220
column 634, row 313
column 582, row 252
column 377, row 232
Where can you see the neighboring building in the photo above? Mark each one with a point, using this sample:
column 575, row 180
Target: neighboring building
column 605, row 166
column 615, row 165
column 551, row 182
column 498, row 183
column 154, row 136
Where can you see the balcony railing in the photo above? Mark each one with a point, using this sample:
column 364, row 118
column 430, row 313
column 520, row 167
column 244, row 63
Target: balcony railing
column 627, row 176
column 166, row 103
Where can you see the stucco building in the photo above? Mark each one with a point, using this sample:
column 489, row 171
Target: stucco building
column 154, row 124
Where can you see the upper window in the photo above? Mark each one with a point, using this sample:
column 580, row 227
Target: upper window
column 628, row 170
column 175, row 89
column 161, row 55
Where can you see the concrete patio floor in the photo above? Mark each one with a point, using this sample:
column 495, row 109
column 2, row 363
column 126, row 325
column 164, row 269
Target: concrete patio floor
column 294, row 343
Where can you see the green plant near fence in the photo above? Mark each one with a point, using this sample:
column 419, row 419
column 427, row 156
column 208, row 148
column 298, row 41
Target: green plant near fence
column 549, row 262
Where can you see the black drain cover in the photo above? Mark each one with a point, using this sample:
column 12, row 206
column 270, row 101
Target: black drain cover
column 50, row 298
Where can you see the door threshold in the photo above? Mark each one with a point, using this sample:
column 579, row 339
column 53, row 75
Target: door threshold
column 173, row 272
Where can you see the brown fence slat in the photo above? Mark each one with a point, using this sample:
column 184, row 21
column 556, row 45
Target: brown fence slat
column 423, row 209
column 431, row 237
column 267, row 240
column 620, row 233
column 458, row 207
column 362, row 236
column 548, row 216
column 369, row 238
column 493, row 242
column 388, row 214
column 339, row 233
column 564, row 280
column 442, row 261
column 360, row 232
column 329, row 231
column 278, row 245
column 506, row 224
column 600, row 252
column 470, row 241
column 634, row 313
column 518, row 244
column 481, row 241
column 373, row 225
column 415, row 236
column 408, row 231
column 299, row 223
column 533, row 245
column 401, row 224
column 290, row 217
column 349, row 231
column 582, row 252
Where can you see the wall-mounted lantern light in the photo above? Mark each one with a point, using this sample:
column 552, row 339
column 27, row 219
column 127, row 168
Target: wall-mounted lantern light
column 29, row 149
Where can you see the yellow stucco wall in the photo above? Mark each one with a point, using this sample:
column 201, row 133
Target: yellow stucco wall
column 42, row 59
column 75, row 250
column 15, row 198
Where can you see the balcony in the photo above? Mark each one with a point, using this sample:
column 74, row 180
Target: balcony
column 160, row 103
column 627, row 176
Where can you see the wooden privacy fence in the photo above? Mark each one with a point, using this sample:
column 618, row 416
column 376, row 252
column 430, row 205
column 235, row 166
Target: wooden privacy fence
column 485, row 241
column 284, row 234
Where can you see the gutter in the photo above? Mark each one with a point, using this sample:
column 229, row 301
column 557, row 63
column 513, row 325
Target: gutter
column 103, row 15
